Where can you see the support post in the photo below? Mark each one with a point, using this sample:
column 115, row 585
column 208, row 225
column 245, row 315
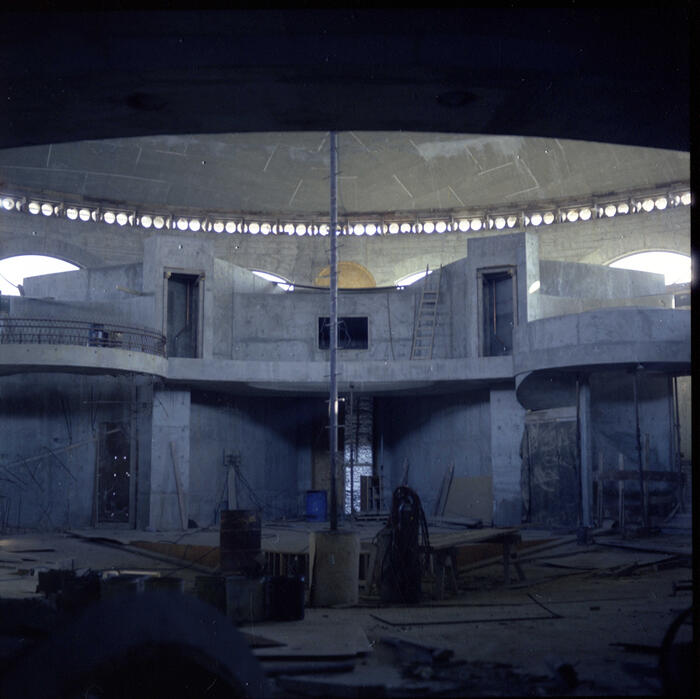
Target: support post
column 586, row 457
column 639, row 450
column 333, row 403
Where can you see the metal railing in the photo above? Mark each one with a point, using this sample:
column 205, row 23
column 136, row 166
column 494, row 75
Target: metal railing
column 19, row 331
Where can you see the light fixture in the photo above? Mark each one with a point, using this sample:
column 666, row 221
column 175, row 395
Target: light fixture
column 146, row 221
column 122, row 218
column 475, row 224
column 585, row 213
column 405, row 227
column 500, row 223
column 357, row 229
column 661, row 203
column 47, row 209
column 254, row 227
column 109, row 217
column 428, row 227
column 371, row 229
column 8, row 203
column 463, row 225
column 536, row 219
column 441, row 226
column 289, row 228
column 648, row 205
column 610, row 210
column 511, row 221
column 72, row 213
column 266, row 229
column 300, row 229
column 84, row 214
column 685, row 198
column 323, row 229
column 230, row 227
column 572, row 215
column 548, row 218
column 393, row 228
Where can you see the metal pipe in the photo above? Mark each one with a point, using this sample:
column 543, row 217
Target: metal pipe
column 333, row 404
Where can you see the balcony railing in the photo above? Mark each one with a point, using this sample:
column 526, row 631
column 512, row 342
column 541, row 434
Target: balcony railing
column 82, row 333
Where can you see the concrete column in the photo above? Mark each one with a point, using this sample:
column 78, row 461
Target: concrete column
column 507, row 421
column 586, row 447
column 170, row 450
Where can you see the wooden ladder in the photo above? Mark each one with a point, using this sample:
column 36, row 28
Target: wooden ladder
column 426, row 318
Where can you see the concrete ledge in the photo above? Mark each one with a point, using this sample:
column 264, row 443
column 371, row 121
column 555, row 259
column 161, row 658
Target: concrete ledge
column 77, row 359
column 604, row 337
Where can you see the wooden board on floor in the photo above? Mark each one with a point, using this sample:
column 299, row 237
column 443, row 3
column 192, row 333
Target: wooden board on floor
column 310, row 638
column 471, row 496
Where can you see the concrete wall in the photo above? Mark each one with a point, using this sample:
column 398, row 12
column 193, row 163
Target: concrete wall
column 284, row 326
column 170, row 450
column 613, row 418
column 388, row 258
column 507, row 419
column 271, row 440
column 431, row 432
column 56, row 418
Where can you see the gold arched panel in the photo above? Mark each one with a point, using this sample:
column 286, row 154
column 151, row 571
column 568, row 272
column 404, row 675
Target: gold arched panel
column 351, row 275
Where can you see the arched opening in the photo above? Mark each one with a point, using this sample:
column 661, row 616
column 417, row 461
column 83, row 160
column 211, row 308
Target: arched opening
column 351, row 275
column 412, row 278
column 14, row 270
column 281, row 282
column 673, row 265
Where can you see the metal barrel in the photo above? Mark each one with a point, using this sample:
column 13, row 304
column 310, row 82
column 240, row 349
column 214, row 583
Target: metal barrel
column 239, row 541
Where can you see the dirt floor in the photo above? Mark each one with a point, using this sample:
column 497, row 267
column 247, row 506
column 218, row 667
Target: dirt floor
column 588, row 619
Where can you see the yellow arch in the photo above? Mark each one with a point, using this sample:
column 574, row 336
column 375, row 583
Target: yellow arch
column 351, row 275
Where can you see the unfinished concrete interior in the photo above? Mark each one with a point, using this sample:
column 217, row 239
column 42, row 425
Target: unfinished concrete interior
column 513, row 471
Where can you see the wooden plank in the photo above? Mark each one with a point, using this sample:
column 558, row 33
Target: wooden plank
column 178, row 485
column 471, row 497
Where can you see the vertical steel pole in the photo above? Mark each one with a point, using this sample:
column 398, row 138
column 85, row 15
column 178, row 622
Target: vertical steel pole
column 333, row 402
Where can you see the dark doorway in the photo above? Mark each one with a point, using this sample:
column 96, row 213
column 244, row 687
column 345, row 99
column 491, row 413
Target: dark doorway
column 182, row 315
column 498, row 313
column 113, row 474
column 550, row 471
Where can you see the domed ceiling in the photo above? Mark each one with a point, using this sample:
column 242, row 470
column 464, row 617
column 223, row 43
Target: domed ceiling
column 288, row 173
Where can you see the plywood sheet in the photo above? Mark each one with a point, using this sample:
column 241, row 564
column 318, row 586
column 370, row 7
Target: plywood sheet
column 314, row 637
column 471, row 496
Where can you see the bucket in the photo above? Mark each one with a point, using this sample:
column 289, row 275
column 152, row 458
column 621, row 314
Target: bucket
column 239, row 541
column 285, row 597
column 316, row 505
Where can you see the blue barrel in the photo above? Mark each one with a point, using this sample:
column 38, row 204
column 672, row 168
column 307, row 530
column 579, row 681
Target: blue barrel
column 316, row 505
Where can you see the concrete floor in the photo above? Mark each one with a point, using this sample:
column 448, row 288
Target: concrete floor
column 558, row 632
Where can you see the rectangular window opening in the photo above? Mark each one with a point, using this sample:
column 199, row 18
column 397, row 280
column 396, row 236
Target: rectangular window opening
column 352, row 333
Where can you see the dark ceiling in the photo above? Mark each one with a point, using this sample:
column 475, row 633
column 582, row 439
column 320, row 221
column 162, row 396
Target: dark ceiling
column 616, row 76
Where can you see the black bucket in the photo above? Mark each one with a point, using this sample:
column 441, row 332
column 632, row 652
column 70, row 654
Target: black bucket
column 239, row 541
column 285, row 597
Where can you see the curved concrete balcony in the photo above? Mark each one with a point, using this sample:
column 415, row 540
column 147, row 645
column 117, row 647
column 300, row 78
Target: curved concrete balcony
column 592, row 339
column 612, row 336
column 34, row 344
